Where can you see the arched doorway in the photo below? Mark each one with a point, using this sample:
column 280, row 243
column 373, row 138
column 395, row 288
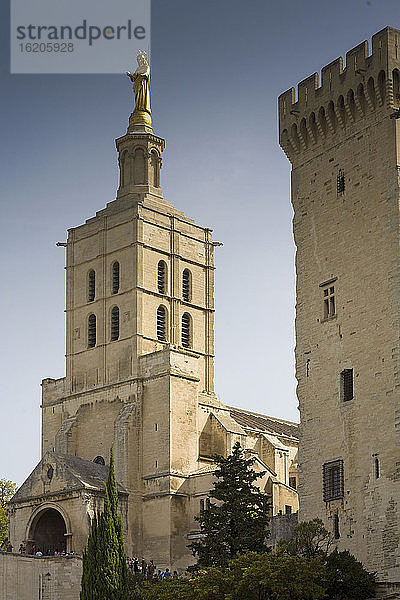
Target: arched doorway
column 48, row 531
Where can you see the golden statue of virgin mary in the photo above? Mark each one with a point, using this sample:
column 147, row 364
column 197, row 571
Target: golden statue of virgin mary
column 141, row 88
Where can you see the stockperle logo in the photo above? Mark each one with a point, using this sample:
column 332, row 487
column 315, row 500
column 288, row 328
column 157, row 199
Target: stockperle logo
column 85, row 36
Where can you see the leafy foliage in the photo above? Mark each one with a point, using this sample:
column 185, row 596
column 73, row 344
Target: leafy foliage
column 347, row 578
column 310, row 538
column 277, row 577
column 104, row 560
column 250, row 576
column 7, row 491
column 238, row 521
column 308, row 573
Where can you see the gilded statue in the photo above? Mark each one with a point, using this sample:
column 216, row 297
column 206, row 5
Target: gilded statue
column 141, row 89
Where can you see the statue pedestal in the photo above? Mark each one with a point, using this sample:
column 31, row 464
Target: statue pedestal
column 140, row 121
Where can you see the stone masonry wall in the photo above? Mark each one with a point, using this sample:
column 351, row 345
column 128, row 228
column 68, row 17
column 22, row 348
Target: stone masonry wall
column 47, row 578
column 343, row 142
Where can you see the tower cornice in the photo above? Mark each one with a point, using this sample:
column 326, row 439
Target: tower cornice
column 367, row 88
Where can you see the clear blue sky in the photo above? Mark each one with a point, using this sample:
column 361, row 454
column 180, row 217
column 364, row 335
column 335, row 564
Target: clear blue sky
column 217, row 69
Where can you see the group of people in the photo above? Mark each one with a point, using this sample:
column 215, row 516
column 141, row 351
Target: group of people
column 149, row 570
column 33, row 551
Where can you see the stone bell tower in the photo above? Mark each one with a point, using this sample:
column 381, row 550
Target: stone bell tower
column 342, row 138
column 139, row 356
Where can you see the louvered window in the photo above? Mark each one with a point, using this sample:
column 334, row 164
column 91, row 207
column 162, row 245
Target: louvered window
column 333, row 480
column 91, row 331
column 162, row 277
column 115, row 323
column 115, row 278
column 161, row 323
column 186, row 330
column 186, row 285
column 91, row 285
column 347, row 387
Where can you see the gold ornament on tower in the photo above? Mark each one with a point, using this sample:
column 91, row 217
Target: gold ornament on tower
column 141, row 88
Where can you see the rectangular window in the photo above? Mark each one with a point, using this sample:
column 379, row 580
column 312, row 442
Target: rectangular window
column 292, row 482
column 377, row 468
column 340, row 182
column 288, row 509
column 329, row 302
column 336, row 531
column 346, row 384
column 333, row 484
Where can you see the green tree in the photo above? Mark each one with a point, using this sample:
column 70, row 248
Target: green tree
column 347, row 578
column 310, row 538
column 277, row 577
column 104, row 561
column 238, row 520
column 7, row 491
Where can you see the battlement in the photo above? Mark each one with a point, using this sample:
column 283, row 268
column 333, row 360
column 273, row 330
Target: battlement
column 368, row 83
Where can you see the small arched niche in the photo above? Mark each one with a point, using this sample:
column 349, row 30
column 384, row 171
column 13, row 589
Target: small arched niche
column 154, row 169
column 382, row 85
column 332, row 115
column 352, row 103
column 342, row 110
column 295, row 137
column 371, row 91
column 313, row 126
column 361, row 98
column 322, row 120
column 139, row 167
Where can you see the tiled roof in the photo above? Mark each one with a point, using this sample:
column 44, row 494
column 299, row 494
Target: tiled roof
column 262, row 423
column 88, row 472
column 70, row 472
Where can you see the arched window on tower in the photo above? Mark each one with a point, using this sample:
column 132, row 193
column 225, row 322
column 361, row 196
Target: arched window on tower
column 115, row 323
column 115, row 277
column 155, row 169
column 162, row 277
column 125, row 165
column 138, row 167
column 186, row 334
column 91, row 331
column 91, row 285
column 186, row 285
column 162, row 323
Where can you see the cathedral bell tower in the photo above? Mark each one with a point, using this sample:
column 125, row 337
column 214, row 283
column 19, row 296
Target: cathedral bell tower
column 139, row 346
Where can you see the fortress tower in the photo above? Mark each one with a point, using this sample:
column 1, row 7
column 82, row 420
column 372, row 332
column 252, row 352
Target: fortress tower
column 343, row 140
column 140, row 375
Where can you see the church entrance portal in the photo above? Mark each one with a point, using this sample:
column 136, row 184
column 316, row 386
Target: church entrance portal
column 48, row 532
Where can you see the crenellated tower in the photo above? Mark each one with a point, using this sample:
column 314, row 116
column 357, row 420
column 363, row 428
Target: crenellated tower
column 343, row 140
